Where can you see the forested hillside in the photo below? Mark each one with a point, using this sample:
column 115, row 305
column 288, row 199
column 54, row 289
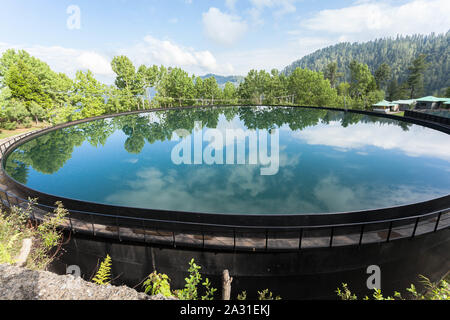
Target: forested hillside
column 222, row 80
column 397, row 53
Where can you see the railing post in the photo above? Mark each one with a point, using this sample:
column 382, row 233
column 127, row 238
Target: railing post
column 362, row 234
column 92, row 223
column 203, row 239
column 300, row 237
column 143, row 230
column 267, row 240
column 389, row 232
column 331, row 236
column 118, row 229
column 173, row 240
column 234, row 239
column 437, row 221
column 415, row 227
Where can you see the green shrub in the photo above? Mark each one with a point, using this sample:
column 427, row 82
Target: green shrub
column 160, row 283
column 10, row 125
column 157, row 283
column 434, row 291
column 16, row 226
column 103, row 275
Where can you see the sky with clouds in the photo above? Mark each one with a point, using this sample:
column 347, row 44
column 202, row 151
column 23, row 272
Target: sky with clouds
column 204, row 36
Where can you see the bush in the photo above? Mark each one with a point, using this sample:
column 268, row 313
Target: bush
column 10, row 125
column 434, row 291
column 16, row 111
column 160, row 283
column 16, row 226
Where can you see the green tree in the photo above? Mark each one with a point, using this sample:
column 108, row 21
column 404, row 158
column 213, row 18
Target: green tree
column 361, row 79
column 331, row 73
column 211, row 89
column 254, row 86
column 415, row 77
column 311, row 88
column 36, row 111
column 177, row 86
column 15, row 111
column 88, row 97
column 382, row 75
column 229, row 94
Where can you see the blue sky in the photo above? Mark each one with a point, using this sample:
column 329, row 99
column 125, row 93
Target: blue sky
column 202, row 36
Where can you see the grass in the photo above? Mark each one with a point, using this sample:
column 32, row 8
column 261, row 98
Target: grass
column 15, row 226
column 400, row 114
column 9, row 133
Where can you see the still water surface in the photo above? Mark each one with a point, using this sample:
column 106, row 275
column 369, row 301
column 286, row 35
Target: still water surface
column 327, row 161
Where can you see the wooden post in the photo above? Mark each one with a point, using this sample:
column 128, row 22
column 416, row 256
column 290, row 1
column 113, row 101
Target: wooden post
column 226, row 285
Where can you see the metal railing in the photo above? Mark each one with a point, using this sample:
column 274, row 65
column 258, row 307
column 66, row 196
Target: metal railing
column 230, row 237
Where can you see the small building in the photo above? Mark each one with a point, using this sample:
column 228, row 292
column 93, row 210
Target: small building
column 430, row 102
column 385, row 107
column 404, row 105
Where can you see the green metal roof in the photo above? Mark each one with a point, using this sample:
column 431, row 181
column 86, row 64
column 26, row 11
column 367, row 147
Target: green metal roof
column 383, row 103
column 432, row 99
column 410, row 101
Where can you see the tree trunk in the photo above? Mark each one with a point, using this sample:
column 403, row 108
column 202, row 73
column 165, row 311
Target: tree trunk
column 226, row 285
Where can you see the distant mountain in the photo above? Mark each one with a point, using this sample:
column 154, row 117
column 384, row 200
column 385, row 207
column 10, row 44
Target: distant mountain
column 398, row 53
column 222, row 80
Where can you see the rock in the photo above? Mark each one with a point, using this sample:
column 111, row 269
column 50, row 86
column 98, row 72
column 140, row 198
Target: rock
column 18, row 283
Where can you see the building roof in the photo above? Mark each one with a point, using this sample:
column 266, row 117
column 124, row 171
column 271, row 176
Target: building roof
column 432, row 99
column 410, row 101
column 384, row 103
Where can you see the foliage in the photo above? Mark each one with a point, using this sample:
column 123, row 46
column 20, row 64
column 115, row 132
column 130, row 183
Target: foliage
column 397, row 53
column 311, row 88
column 267, row 295
column 190, row 291
column 103, row 275
column 345, row 293
column 48, row 230
column 331, row 73
column 14, row 227
column 433, row 291
column 160, row 283
column 242, row 295
column 157, row 283
column 415, row 76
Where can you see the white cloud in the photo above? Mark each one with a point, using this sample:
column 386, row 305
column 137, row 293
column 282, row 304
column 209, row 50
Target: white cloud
column 155, row 51
column 67, row 60
column 426, row 142
column 222, row 28
column 369, row 19
column 95, row 62
column 278, row 8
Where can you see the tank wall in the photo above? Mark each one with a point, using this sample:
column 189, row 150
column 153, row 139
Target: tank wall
column 307, row 274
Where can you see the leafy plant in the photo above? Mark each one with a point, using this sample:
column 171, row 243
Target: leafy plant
column 190, row 290
column 103, row 275
column 157, row 283
column 345, row 293
column 6, row 248
column 267, row 295
column 242, row 295
column 209, row 291
column 434, row 291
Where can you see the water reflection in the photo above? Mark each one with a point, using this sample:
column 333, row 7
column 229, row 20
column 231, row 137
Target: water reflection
column 329, row 161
